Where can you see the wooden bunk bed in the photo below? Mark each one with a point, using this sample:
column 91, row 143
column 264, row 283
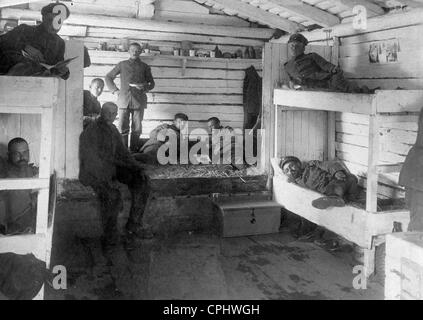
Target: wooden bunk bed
column 362, row 226
column 33, row 95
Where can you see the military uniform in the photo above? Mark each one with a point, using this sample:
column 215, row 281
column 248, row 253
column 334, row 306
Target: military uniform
column 20, row 205
column 12, row 43
column 320, row 176
column 131, row 101
column 91, row 108
column 105, row 161
column 311, row 71
column 411, row 177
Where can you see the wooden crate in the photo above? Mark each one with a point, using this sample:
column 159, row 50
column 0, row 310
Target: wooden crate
column 249, row 218
column 404, row 266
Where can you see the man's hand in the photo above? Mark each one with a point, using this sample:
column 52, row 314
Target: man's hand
column 60, row 71
column 116, row 92
column 336, row 70
column 34, row 53
column 340, row 175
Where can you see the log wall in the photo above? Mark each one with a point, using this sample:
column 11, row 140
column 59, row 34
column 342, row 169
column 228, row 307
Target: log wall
column 204, row 88
column 398, row 132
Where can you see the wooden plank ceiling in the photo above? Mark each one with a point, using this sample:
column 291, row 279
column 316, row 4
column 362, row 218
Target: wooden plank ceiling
column 297, row 15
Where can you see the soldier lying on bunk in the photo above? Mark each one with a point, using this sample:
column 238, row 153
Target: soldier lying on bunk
column 330, row 178
column 160, row 136
column 20, row 205
column 311, row 71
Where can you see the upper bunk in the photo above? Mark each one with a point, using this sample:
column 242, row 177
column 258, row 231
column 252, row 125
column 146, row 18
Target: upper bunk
column 382, row 101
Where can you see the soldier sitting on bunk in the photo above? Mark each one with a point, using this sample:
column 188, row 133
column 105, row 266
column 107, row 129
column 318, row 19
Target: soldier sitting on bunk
column 92, row 107
column 160, row 136
column 20, row 205
column 311, row 71
column 40, row 43
column 104, row 162
column 226, row 145
column 330, row 178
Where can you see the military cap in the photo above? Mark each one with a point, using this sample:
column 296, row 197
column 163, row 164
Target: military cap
column 287, row 159
column 49, row 9
column 299, row 38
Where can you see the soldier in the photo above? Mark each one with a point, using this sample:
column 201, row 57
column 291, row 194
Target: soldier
column 330, row 178
column 104, row 162
column 135, row 81
column 21, row 205
column 411, row 177
column 311, row 71
column 41, row 44
column 92, row 107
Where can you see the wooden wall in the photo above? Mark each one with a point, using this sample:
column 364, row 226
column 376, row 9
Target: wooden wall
column 67, row 121
column 204, row 88
column 398, row 132
column 300, row 133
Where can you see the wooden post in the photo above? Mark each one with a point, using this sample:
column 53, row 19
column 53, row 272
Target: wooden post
column 266, row 109
column 45, row 168
column 373, row 159
column 369, row 261
column 332, row 115
column 74, row 101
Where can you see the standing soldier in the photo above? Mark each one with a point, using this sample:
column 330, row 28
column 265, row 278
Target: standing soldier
column 135, row 81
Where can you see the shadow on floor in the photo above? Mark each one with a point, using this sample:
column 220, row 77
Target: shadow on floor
column 201, row 266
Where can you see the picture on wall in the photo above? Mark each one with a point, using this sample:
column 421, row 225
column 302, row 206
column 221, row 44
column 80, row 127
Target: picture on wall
column 384, row 51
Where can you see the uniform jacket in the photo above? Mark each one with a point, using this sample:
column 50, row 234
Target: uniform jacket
column 318, row 174
column 153, row 144
column 91, row 108
column 17, row 202
column 411, row 175
column 101, row 150
column 252, row 90
column 309, row 69
column 131, row 71
column 12, row 43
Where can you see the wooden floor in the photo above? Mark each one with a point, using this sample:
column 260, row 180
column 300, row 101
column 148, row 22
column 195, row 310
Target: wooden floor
column 191, row 266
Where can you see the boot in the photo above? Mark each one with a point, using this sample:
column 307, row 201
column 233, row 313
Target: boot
column 327, row 202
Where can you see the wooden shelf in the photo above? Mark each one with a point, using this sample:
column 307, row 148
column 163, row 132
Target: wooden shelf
column 124, row 55
column 383, row 101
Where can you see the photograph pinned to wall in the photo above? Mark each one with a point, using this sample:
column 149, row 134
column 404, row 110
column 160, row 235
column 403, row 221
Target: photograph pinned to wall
column 384, row 51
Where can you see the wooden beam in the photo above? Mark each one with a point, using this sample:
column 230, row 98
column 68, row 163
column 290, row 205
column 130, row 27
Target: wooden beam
column 328, row 101
column 413, row 3
column 146, row 25
column 257, row 14
column 9, row 3
column 299, row 8
column 384, row 22
column 372, row 9
column 24, row 184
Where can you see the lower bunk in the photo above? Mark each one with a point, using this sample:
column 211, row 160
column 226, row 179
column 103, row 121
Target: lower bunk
column 351, row 222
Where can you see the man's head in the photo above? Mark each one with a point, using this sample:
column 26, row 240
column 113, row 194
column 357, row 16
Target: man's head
column 18, row 152
column 180, row 120
column 291, row 167
column 297, row 43
column 213, row 123
column 96, row 87
column 134, row 50
column 49, row 13
column 109, row 112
